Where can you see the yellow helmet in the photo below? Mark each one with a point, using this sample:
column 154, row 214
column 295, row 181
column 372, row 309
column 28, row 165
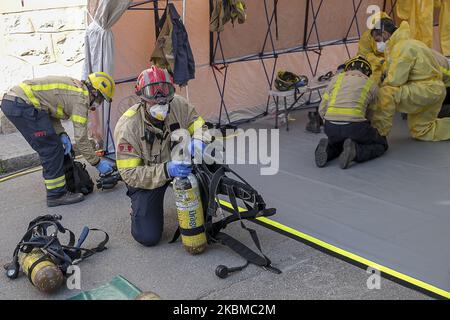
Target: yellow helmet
column 104, row 83
column 359, row 63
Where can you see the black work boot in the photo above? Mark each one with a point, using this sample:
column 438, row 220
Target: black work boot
column 67, row 198
column 315, row 122
column 348, row 154
column 321, row 153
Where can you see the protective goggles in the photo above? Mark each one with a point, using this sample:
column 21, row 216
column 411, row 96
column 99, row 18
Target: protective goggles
column 158, row 90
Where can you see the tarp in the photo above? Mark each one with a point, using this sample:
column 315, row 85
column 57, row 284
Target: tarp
column 390, row 214
column 246, row 88
column 99, row 43
column 312, row 24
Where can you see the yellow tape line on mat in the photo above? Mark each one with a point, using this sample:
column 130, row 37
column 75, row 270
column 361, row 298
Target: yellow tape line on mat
column 349, row 255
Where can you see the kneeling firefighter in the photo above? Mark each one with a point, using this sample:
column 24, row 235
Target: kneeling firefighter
column 144, row 144
column 346, row 109
column 144, row 159
column 36, row 107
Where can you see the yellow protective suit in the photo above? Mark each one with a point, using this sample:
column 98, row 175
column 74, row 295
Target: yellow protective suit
column 367, row 47
column 420, row 15
column 403, row 9
column 444, row 26
column 413, row 86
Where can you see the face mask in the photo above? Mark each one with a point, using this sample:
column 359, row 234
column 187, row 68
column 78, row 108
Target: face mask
column 159, row 111
column 381, row 46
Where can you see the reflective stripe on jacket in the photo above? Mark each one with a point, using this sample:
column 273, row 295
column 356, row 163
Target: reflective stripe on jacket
column 143, row 164
column 62, row 98
column 348, row 97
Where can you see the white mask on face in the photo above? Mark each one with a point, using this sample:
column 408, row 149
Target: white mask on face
column 381, row 46
column 159, row 111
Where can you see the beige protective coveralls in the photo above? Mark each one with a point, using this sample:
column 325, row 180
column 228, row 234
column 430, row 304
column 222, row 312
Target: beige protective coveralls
column 413, row 86
column 143, row 164
column 62, row 98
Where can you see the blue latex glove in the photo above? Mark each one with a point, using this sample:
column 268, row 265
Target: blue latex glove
column 104, row 167
column 178, row 169
column 65, row 140
column 196, row 145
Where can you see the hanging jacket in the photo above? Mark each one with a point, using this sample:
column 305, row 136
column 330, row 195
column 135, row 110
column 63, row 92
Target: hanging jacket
column 172, row 50
column 348, row 97
column 142, row 164
column 62, row 98
column 226, row 11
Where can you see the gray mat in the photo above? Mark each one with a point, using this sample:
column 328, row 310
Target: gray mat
column 392, row 213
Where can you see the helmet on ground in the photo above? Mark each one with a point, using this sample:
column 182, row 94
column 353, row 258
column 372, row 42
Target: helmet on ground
column 154, row 84
column 359, row 63
column 104, row 83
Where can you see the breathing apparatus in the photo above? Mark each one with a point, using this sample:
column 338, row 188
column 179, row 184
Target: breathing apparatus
column 43, row 258
column 213, row 185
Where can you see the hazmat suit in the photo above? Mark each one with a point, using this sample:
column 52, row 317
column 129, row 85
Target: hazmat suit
column 367, row 47
column 414, row 86
column 420, row 15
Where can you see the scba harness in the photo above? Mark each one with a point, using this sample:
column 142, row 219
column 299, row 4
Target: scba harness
column 215, row 187
column 42, row 234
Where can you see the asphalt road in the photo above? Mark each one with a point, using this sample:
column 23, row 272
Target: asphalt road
column 167, row 269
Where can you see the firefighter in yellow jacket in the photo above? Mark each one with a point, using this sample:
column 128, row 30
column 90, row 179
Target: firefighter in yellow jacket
column 345, row 108
column 36, row 107
column 413, row 85
column 143, row 136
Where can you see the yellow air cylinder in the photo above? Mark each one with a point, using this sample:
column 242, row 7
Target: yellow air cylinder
column 190, row 213
column 45, row 275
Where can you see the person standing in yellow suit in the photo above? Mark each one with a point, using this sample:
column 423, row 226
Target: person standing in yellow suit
column 413, row 85
column 420, row 15
column 372, row 47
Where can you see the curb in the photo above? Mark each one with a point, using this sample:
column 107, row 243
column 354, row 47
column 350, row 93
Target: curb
column 26, row 161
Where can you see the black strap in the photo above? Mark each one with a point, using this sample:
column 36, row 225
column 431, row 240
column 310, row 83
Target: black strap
column 187, row 232
column 80, row 254
column 174, row 127
column 176, row 235
column 192, row 232
column 76, row 177
column 258, row 259
column 34, row 264
column 214, row 184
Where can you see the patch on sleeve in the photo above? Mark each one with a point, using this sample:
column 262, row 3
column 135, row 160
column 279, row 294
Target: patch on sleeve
column 126, row 147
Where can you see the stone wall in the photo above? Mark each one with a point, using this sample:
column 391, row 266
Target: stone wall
column 40, row 38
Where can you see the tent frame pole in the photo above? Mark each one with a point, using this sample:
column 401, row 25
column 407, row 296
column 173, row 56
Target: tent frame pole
column 219, row 63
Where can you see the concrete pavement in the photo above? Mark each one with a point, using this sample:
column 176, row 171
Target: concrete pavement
column 167, row 269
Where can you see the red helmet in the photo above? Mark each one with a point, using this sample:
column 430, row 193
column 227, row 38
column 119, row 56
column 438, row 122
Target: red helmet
column 155, row 83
